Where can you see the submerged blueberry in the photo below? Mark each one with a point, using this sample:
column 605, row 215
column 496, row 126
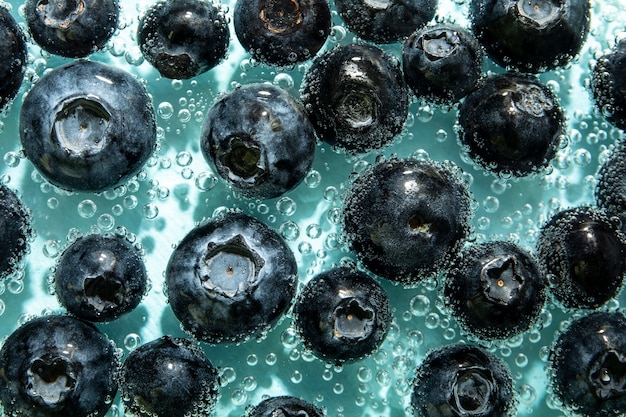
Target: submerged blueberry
column 231, row 278
column 87, row 126
column 611, row 185
column 608, row 82
column 15, row 231
column 13, row 57
column 285, row 406
column 57, row 366
column 71, row 28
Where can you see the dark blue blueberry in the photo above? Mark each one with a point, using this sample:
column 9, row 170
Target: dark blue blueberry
column 87, row 126
column 57, row 366
column 407, row 219
column 356, row 97
column 495, row 290
column 259, row 140
column 511, row 124
column 71, row 28
column 611, row 185
column 588, row 366
column 584, row 255
column 385, row 21
column 100, row 277
column 462, row 381
column 15, row 231
column 442, row 63
column 230, row 279
column 608, row 82
column 343, row 315
column 531, row 35
column 13, row 57
column 282, row 32
column 183, row 38
column 285, row 406
column 169, row 377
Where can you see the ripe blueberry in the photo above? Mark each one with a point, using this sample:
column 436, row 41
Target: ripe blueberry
column 13, row 57
column 15, row 231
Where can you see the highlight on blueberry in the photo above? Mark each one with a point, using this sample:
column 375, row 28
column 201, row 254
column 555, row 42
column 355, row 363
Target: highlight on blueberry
column 259, row 140
column 71, row 28
column 183, row 38
column 286, row 406
column 608, row 81
column 343, row 315
column 13, row 57
column 57, row 366
column 407, row 219
column 584, row 254
column 230, row 279
column 495, row 290
column 169, row 377
column 462, row 380
column 611, row 185
column 356, row 97
column 15, row 231
column 282, row 32
column 87, row 126
column 511, row 124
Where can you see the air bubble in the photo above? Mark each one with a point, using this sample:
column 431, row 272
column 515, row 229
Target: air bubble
column 296, row 377
column 184, row 159
column 12, row 159
column 165, row 110
column 132, row 341
column 184, row 116
column 150, row 211
column 491, row 204
column 305, row 248
column 87, row 209
column 313, row 179
column 420, row 305
column 252, row 360
column 53, row 203
column 130, row 202
column 521, row 360
column 286, row 206
column 383, row 378
column 289, row 230
column 238, row 397
column 271, row 359
column 51, row 248
column 313, row 231
column 205, row 181
column 364, row 374
column 106, row 222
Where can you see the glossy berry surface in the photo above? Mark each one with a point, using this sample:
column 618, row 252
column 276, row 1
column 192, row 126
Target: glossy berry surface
column 71, row 28
column 495, row 290
column 442, row 63
column 406, row 219
column 169, row 377
column 259, row 140
column 608, row 81
column 588, row 366
column 285, row 406
column 584, row 255
column 230, row 279
column 464, row 381
column 57, row 366
column 15, row 231
column 356, row 97
column 511, row 124
column 100, row 277
column 611, row 185
column 13, row 57
column 343, row 315
column 531, row 36
column 87, row 126
column 282, row 32
column 183, row 39
column 385, row 21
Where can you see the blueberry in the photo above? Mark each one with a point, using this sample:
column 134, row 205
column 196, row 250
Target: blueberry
column 15, row 231
column 611, row 185
column 511, row 124
column 285, row 406
column 259, row 140
column 100, row 277
column 608, row 82
column 183, row 38
column 531, row 36
column 462, row 381
column 169, row 377
column 356, row 97
column 57, row 366
column 442, row 63
column 13, row 57
column 71, row 28
column 385, row 21
column 343, row 315
column 495, row 290
column 231, row 278
column 87, row 126
column 584, row 255
column 588, row 366
column 407, row 219
column 282, row 32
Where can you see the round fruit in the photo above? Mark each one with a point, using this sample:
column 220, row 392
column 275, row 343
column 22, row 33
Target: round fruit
column 611, row 185
column 608, row 82
column 13, row 57
column 15, row 231
column 286, row 406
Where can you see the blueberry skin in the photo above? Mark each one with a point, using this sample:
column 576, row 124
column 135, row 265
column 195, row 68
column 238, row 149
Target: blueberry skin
column 342, row 315
column 407, row 219
column 286, row 406
column 87, row 126
column 57, row 366
column 587, row 365
column 511, row 124
column 356, row 97
column 13, row 57
column 610, row 190
column 442, row 63
column 100, row 277
column 461, row 381
column 169, row 377
column 71, row 28
column 230, row 279
column 584, row 254
column 282, row 32
column 259, row 140
column 15, row 231
column 183, row 38
column 385, row 21
column 608, row 81
column 531, row 36
column 495, row 290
